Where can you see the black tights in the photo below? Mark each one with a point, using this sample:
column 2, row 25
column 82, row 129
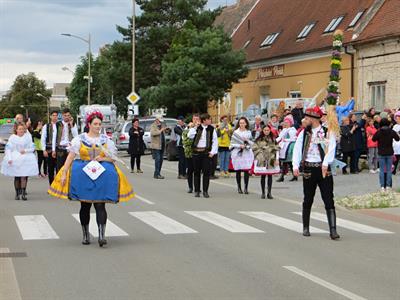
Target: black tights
column 239, row 178
column 101, row 213
column 20, row 182
column 263, row 183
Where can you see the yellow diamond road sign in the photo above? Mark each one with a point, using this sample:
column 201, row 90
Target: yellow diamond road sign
column 133, row 98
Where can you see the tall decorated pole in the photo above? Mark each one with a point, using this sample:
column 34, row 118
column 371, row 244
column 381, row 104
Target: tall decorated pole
column 333, row 85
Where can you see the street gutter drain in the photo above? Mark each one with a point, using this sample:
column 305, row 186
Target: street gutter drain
column 13, row 254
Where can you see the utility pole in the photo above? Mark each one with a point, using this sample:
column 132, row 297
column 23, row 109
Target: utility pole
column 133, row 45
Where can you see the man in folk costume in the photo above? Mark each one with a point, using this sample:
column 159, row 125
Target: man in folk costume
column 205, row 146
column 66, row 130
column 48, row 140
column 314, row 151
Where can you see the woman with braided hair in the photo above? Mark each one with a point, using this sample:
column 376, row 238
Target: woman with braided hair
column 90, row 176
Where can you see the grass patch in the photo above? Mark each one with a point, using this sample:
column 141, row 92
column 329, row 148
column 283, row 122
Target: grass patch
column 372, row 200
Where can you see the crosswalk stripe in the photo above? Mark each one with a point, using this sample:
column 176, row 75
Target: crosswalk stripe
column 348, row 224
column 162, row 223
column 224, row 222
column 279, row 221
column 144, row 200
column 111, row 228
column 35, row 227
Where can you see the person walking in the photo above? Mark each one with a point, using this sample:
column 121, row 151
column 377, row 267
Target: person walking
column 205, row 146
column 370, row 131
column 314, row 150
column 178, row 130
column 37, row 135
column 347, row 144
column 266, row 159
column 66, row 130
column 136, row 145
column 48, row 141
column 19, row 160
column 242, row 155
column 90, row 176
column 157, row 133
column 188, row 148
column 385, row 136
column 224, row 133
column 286, row 139
column 396, row 145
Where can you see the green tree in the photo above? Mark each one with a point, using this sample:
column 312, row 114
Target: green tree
column 77, row 92
column 22, row 97
column 200, row 66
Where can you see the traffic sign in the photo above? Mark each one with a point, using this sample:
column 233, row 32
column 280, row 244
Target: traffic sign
column 133, row 98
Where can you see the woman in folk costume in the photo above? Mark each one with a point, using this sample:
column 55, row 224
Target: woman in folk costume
column 286, row 139
column 90, row 175
column 241, row 154
column 19, row 160
column 266, row 158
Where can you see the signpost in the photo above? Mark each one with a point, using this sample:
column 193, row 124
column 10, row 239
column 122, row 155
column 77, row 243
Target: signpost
column 133, row 98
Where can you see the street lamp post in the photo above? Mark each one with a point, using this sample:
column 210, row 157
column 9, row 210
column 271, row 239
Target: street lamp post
column 47, row 104
column 69, row 70
column 88, row 41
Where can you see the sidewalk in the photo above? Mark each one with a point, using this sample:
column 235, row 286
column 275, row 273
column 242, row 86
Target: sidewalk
column 389, row 214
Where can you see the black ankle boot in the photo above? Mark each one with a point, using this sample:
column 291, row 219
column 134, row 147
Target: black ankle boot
column 269, row 195
column 306, row 221
column 331, row 214
column 17, row 194
column 281, row 179
column 239, row 189
column 246, row 191
column 23, row 194
column 263, row 195
column 293, row 179
column 86, row 235
column 102, row 230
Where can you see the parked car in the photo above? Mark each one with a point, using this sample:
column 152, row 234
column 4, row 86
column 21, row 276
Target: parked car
column 6, row 130
column 120, row 136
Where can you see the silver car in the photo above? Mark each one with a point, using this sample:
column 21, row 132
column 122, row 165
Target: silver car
column 6, row 130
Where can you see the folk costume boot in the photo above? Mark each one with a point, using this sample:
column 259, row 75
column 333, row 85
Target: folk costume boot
column 102, row 230
column 281, row 178
column 306, row 221
column 269, row 195
column 23, row 194
column 262, row 192
column 331, row 214
column 17, row 194
column 86, row 236
column 239, row 186
column 293, row 179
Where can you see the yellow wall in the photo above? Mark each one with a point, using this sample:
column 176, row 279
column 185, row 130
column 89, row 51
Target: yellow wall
column 314, row 75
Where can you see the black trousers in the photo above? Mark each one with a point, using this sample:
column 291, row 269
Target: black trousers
column 101, row 213
column 190, row 171
column 214, row 163
column 51, row 167
column 135, row 157
column 345, row 157
column 42, row 160
column 201, row 164
column 182, row 161
column 312, row 179
column 61, row 158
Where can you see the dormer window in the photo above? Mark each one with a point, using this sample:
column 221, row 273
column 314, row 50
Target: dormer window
column 356, row 19
column 333, row 24
column 269, row 40
column 306, row 30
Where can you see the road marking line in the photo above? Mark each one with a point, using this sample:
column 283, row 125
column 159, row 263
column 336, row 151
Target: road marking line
column 111, row 228
column 35, row 227
column 162, row 223
column 144, row 200
column 224, row 222
column 279, row 221
column 9, row 288
column 348, row 224
column 324, row 283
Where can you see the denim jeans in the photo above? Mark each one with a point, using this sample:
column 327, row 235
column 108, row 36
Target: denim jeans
column 158, row 156
column 224, row 157
column 385, row 167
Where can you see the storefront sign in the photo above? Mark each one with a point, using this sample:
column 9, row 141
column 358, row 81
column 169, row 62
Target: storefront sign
column 269, row 72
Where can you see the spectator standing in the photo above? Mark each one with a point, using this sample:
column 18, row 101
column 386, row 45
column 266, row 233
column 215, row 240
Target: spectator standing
column 358, row 138
column 157, row 133
column 136, row 145
column 224, row 133
column 256, row 129
column 385, row 136
column 396, row 145
column 372, row 146
column 178, row 130
column 298, row 114
column 37, row 135
column 347, row 144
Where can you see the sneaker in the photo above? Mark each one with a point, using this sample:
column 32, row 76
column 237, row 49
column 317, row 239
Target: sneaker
column 372, row 171
column 383, row 190
column 388, row 189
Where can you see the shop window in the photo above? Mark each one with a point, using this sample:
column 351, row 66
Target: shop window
column 239, row 105
column 378, row 95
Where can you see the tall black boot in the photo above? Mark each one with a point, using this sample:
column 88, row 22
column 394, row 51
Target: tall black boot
column 294, row 178
column 306, row 221
column 269, row 195
column 17, row 194
column 331, row 214
column 86, row 236
column 263, row 187
column 281, row 178
column 23, row 194
column 102, row 230
column 239, row 186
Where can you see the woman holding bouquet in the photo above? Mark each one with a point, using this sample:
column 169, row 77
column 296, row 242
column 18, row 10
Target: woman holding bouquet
column 242, row 155
column 90, row 176
column 266, row 159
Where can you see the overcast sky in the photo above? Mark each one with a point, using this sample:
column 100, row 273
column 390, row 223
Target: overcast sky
column 30, row 39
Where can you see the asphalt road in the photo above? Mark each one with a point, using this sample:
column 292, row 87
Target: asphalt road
column 166, row 244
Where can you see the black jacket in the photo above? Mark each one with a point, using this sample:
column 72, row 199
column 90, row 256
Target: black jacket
column 347, row 140
column 298, row 115
column 385, row 136
column 136, row 144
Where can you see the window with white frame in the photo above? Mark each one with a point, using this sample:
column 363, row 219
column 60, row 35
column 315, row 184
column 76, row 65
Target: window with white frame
column 269, row 40
column 333, row 24
column 239, row 105
column 263, row 101
column 378, row 95
column 295, row 94
column 306, row 30
column 356, row 19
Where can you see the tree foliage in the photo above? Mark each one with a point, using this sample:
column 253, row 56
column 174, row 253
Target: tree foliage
column 23, row 97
